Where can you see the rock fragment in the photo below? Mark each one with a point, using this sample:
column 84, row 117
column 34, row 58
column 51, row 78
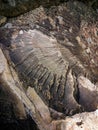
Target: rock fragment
column 88, row 94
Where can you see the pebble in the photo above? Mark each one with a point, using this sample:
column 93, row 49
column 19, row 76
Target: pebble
column 3, row 19
column 88, row 50
column 60, row 20
column 8, row 25
column 20, row 32
column 96, row 112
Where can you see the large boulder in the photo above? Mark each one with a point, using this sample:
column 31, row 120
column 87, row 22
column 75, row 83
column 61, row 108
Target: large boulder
column 48, row 67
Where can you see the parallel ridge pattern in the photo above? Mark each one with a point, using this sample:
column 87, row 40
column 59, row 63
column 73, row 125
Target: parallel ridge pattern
column 52, row 66
column 38, row 59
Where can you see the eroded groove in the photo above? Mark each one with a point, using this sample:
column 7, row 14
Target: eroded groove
column 38, row 73
column 28, row 64
column 48, row 80
column 34, row 71
column 54, row 87
column 71, row 104
column 33, row 66
column 52, row 55
column 44, row 77
column 60, row 92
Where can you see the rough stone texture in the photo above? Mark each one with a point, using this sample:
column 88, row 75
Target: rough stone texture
column 35, row 107
column 38, row 60
column 53, row 52
column 88, row 94
column 84, row 121
column 44, row 111
column 50, row 50
column 5, row 75
column 12, row 86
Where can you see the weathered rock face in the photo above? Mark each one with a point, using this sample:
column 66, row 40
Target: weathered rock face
column 88, row 90
column 37, row 109
column 84, row 121
column 16, row 96
column 51, row 51
column 48, row 64
column 39, row 60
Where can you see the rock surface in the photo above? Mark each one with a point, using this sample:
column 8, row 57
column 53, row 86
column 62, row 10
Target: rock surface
column 39, row 111
column 12, row 8
column 88, row 94
column 12, row 86
column 84, row 121
column 49, row 60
